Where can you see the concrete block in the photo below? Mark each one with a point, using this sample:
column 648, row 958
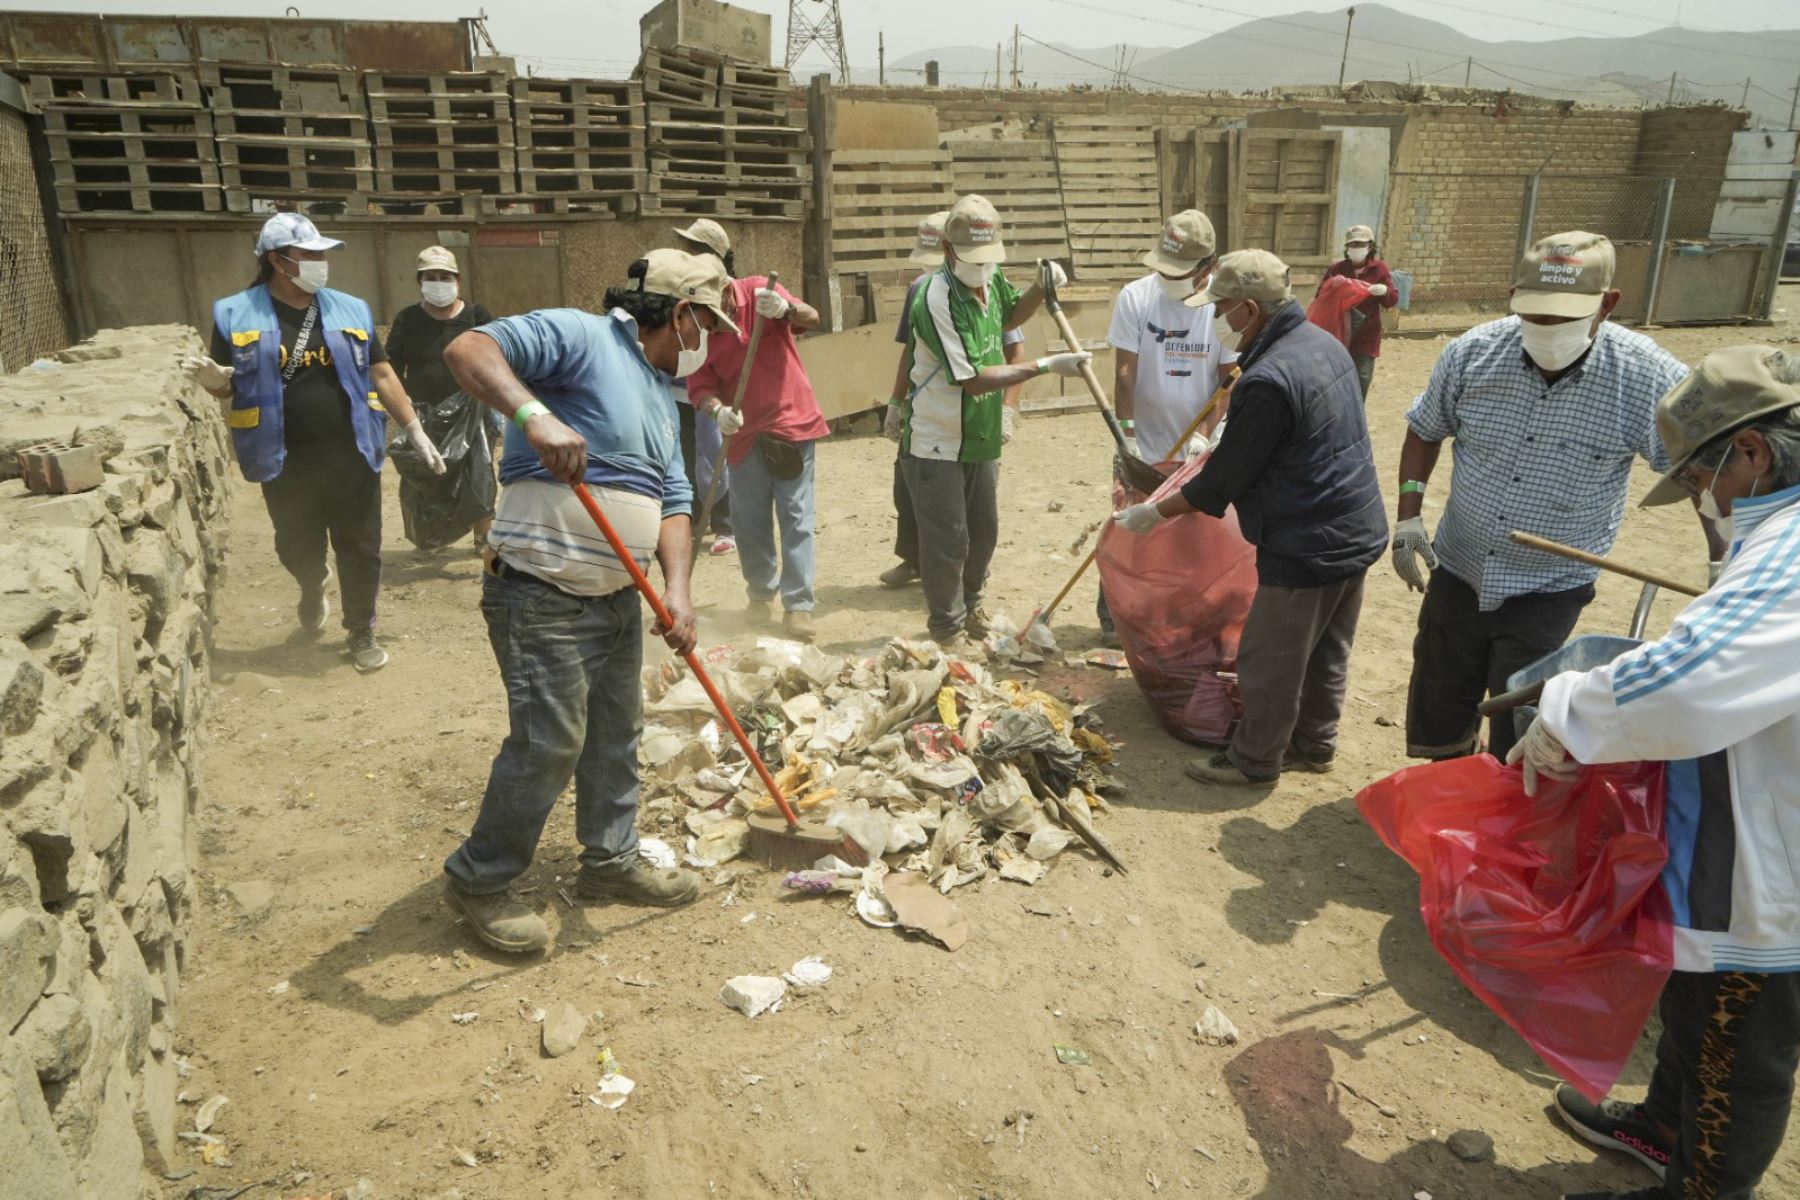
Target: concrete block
column 28, row 945
column 36, row 1166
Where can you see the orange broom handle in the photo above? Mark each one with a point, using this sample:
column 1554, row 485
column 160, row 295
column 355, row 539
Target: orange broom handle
column 642, row 583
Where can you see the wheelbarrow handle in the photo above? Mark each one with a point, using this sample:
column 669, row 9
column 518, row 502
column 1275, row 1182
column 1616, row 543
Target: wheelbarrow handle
column 1493, row 706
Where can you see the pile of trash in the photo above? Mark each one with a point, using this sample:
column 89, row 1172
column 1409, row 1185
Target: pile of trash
column 933, row 766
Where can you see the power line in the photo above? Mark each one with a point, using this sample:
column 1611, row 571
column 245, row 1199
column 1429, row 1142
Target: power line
column 1115, row 71
column 1641, row 39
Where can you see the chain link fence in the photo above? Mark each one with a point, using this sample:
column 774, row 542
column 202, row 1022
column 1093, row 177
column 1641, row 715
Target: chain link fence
column 31, row 315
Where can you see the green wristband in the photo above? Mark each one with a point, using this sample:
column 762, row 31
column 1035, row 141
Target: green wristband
column 528, row 410
column 1042, row 365
column 1411, row 486
column 1127, row 424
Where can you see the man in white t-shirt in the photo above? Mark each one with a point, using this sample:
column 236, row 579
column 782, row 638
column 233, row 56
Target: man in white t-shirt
column 1168, row 360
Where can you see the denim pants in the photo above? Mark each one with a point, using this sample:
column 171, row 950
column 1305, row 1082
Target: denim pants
column 570, row 665
column 761, row 503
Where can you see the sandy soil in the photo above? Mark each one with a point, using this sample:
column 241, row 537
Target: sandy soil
column 916, row 1072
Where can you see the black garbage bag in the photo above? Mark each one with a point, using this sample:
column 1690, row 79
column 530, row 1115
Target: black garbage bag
column 1027, row 740
column 436, row 510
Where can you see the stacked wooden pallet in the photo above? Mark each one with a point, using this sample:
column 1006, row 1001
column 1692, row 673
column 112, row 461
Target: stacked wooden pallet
column 441, row 133
column 580, row 145
column 1019, row 177
column 1109, row 184
column 878, row 198
column 721, row 143
column 289, row 137
column 128, row 142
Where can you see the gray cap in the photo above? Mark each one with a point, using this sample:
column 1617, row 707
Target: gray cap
column 1245, row 275
column 1187, row 241
column 1729, row 388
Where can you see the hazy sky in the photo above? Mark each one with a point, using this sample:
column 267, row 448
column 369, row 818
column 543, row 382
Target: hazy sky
column 599, row 37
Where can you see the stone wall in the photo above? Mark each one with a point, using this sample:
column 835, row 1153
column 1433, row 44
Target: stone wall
column 105, row 609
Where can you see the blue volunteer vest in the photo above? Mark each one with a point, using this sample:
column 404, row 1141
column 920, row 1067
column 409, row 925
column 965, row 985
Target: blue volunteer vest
column 255, row 417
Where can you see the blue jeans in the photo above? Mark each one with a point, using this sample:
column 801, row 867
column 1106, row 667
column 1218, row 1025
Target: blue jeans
column 570, row 665
column 755, row 495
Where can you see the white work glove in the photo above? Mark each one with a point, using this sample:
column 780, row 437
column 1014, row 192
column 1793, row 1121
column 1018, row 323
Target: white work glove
column 207, row 373
column 1050, row 274
column 771, row 304
column 1542, row 755
column 1139, row 518
column 894, row 424
column 1412, row 543
column 415, row 433
column 1009, row 420
column 730, row 420
column 1378, row 290
column 1066, row 364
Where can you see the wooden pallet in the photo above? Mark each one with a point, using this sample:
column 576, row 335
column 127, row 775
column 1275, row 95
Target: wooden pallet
column 679, row 76
column 491, row 183
column 435, row 83
column 1106, row 167
column 673, row 134
column 324, row 202
column 444, row 133
column 440, row 108
column 729, row 166
column 590, row 182
column 878, row 198
column 293, row 124
column 554, row 100
column 146, row 119
column 163, row 89
column 593, row 139
column 251, row 177
column 580, row 160
column 278, row 86
column 129, row 147
column 664, row 112
column 438, row 159
column 526, row 204
column 295, row 153
column 529, row 114
column 675, row 204
column 135, row 199
column 119, row 173
column 1019, row 178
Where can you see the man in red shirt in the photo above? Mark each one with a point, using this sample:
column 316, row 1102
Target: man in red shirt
column 1361, row 263
column 769, row 446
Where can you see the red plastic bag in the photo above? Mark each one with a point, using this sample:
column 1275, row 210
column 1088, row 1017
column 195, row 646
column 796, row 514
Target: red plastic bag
column 1331, row 306
column 1179, row 595
column 1549, row 909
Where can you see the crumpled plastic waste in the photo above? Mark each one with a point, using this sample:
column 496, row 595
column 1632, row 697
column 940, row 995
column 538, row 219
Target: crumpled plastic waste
column 810, row 972
column 1022, row 734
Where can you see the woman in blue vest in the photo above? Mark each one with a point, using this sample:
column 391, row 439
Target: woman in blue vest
column 309, row 391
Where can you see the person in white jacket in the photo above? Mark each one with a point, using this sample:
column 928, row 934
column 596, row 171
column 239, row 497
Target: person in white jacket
column 1718, row 699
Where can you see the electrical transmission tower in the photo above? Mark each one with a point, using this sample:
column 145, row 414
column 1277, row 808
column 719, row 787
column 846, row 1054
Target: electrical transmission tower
column 826, row 29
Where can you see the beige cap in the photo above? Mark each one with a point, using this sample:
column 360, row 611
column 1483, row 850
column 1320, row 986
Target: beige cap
column 973, row 228
column 699, row 278
column 1187, row 240
column 929, row 252
column 708, row 233
column 436, row 258
column 1246, row 275
column 1565, row 275
column 1729, row 388
column 1359, row 233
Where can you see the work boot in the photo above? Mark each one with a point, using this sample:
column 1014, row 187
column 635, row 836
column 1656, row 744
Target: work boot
column 1220, row 769
column 899, row 575
column 366, row 652
column 1298, row 760
column 799, row 624
column 1615, row 1125
column 639, row 883
column 498, row 919
column 976, row 623
column 760, row 612
column 315, row 605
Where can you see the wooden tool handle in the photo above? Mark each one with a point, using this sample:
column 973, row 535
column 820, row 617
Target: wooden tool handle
column 1507, row 701
column 737, row 404
column 1533, row 542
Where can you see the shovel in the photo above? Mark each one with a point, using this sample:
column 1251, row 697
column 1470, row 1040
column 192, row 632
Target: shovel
column 1139, row 475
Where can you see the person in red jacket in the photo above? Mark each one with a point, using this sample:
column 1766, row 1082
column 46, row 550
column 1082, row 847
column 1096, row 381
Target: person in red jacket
column 1360, row 262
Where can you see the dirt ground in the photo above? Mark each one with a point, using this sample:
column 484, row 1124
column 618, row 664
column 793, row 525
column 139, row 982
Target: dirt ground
column 916, row 1072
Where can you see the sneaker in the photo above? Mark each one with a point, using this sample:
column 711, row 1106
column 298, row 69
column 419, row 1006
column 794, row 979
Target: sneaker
column 976, row 623
column 499, row 920
column 366, row 652
column 798, row 623
column 1220, row 769
column 640, row 883
column 1615, row 1125
column 724, row 544
column 315, row 605
column 1294, row 760
column 899, row 575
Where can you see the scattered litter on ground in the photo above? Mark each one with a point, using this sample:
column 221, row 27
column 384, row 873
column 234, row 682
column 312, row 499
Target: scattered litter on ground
column 1070, row 1056
column 919, row 909
column 464, row 1018
column 207, row 1114
column 753, row 995
column 808, row 972
column 613, row 1091
column 563, row 1028
column 279, row 989
column 362, row 1189
column 1215, row 1028
column 603, row 1058
column 463, row 1158
column 656, row 852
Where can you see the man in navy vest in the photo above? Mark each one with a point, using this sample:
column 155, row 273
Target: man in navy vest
column 309, row 392
column 1294, row 461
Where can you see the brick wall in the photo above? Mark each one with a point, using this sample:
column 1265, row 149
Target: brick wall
column 1692, row 144
column 31, row 315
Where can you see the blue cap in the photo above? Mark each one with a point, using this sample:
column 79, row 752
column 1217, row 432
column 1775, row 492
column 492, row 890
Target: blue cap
column 292, row 229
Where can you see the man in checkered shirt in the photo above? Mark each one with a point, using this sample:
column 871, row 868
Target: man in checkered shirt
column 1548, row 408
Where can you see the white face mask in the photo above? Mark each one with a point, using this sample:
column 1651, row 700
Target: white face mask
column 310, row 274
column 1709, row 505
column 1554, row 347
column 972, row 275
column 688, row 361
column 1357, row 254
column 1222, row 330
column 1177, row 289
column 439, row 294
